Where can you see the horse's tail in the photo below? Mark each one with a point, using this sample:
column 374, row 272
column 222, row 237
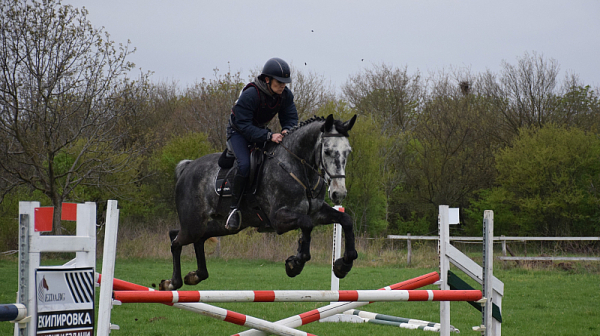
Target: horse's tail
column 181, row 167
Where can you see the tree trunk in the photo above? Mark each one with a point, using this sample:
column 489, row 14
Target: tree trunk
column 56, row 223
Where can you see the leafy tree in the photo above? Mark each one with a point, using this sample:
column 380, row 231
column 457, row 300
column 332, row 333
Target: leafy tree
column 161, row 185
column 388, row 99
column 547, row 184
column 63, row 89
column 579, row 106
column 366, row 201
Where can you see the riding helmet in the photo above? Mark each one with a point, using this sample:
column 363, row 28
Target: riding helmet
column 278, row 69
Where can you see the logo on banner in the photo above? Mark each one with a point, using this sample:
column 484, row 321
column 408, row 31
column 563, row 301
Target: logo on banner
column 44, row 294
column 65, row 301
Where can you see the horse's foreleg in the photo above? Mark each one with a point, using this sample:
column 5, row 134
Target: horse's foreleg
column 175, row 281
column 327, row 215
column 194, row 278
column 343, row 265
column 285, row 220
column 295, row 264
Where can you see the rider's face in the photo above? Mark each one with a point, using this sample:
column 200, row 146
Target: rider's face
column 276, row 85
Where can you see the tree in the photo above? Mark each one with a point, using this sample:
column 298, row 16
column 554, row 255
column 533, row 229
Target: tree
column 206, row 107
column 390, row 99
column 64, row 93
column 310, row 93
column 547, row 184
column 448, row 155
column 391, row 94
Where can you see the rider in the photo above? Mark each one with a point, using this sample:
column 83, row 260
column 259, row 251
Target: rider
column 257, row 104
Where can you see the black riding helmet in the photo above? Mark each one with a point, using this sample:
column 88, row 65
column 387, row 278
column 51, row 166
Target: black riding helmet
column 278, row 69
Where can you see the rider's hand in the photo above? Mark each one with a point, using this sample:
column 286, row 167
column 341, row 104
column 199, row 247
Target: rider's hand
column 276, row 137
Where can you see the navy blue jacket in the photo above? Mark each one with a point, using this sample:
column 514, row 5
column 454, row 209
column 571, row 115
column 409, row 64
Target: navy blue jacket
column 253, row 111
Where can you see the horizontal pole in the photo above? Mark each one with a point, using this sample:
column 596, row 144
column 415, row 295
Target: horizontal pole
column 457, row 238
column 296, row 296
column 264, row 328
column 216, row 312
column 340, row 307
column 12, row 312
column 551, row 258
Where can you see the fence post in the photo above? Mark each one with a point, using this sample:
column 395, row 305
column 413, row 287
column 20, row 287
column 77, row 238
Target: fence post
column 409, row 249
column 503, row 249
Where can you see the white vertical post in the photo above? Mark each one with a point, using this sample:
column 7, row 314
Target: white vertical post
column 443, row 227
column 33, row 262
column 86, row 227
column 488, row 272
column 108, row 269
column 336, row 252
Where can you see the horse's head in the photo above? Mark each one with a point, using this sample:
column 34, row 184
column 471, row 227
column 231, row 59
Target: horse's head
column 333, row 153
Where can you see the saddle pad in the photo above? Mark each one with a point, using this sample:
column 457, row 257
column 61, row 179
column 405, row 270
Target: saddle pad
column 223, row 181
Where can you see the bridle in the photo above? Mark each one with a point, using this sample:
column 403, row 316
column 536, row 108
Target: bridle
column 321, row 163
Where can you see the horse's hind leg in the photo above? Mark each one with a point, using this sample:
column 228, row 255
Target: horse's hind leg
column 295, row 264
column 175, row 281
column 193, row 278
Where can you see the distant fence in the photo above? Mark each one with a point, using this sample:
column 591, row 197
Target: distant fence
column 504, row 239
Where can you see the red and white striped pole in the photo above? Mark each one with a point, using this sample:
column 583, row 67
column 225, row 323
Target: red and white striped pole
column 296, row 296
column 216, row 312
column 340, row 307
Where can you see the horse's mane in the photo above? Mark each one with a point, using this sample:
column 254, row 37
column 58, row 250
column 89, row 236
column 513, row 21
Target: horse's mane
column 306, row 122
column 339, row 125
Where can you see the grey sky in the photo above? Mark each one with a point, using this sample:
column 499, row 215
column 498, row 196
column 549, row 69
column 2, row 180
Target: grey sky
column 184, row 40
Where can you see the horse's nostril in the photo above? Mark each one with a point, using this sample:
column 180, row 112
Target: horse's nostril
column 334, row 195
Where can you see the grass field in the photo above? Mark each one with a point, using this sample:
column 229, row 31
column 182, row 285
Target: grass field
column 536, row 302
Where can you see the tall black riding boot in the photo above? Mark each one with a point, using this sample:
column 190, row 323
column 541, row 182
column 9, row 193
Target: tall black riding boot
column 234, row 220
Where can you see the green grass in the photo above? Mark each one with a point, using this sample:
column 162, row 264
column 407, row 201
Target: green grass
column 536, row 302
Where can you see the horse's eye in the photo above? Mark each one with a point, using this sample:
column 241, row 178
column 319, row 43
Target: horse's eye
column 328, row 152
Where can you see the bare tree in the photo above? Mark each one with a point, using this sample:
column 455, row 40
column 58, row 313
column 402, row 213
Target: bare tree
column 311, row 92
column 390, row 94
column 526, row 92
column 207, row 106
column 66, row 104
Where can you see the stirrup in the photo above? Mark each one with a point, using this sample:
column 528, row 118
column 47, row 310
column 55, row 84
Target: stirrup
column 234, row 220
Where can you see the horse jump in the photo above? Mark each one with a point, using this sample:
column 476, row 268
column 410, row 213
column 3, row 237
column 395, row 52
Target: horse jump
column 282, row 327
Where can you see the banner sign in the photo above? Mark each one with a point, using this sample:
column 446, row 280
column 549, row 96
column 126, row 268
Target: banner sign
column 65, row 301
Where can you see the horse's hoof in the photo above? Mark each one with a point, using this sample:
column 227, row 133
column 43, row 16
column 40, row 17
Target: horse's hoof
column 191, row 279
column 293, row 266
column 194, row 278
column 341, row 268
column 165, row 285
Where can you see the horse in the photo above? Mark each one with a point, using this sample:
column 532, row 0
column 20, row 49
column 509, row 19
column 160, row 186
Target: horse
column 291, row 194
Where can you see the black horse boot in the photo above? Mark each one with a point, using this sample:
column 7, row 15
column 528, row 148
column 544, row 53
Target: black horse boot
column 234, row 220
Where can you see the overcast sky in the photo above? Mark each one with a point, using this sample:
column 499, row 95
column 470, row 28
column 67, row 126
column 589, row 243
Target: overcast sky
column 184, row 40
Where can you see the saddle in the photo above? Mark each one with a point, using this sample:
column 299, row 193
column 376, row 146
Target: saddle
column 227, row 170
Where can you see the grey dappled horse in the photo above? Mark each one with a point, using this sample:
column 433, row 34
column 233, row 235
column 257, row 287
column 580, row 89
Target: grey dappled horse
column 291, row 193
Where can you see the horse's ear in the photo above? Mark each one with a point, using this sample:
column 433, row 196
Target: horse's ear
column 328, row 124
column 348, row 124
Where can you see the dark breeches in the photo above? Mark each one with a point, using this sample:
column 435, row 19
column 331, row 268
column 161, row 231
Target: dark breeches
column 239, row 145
